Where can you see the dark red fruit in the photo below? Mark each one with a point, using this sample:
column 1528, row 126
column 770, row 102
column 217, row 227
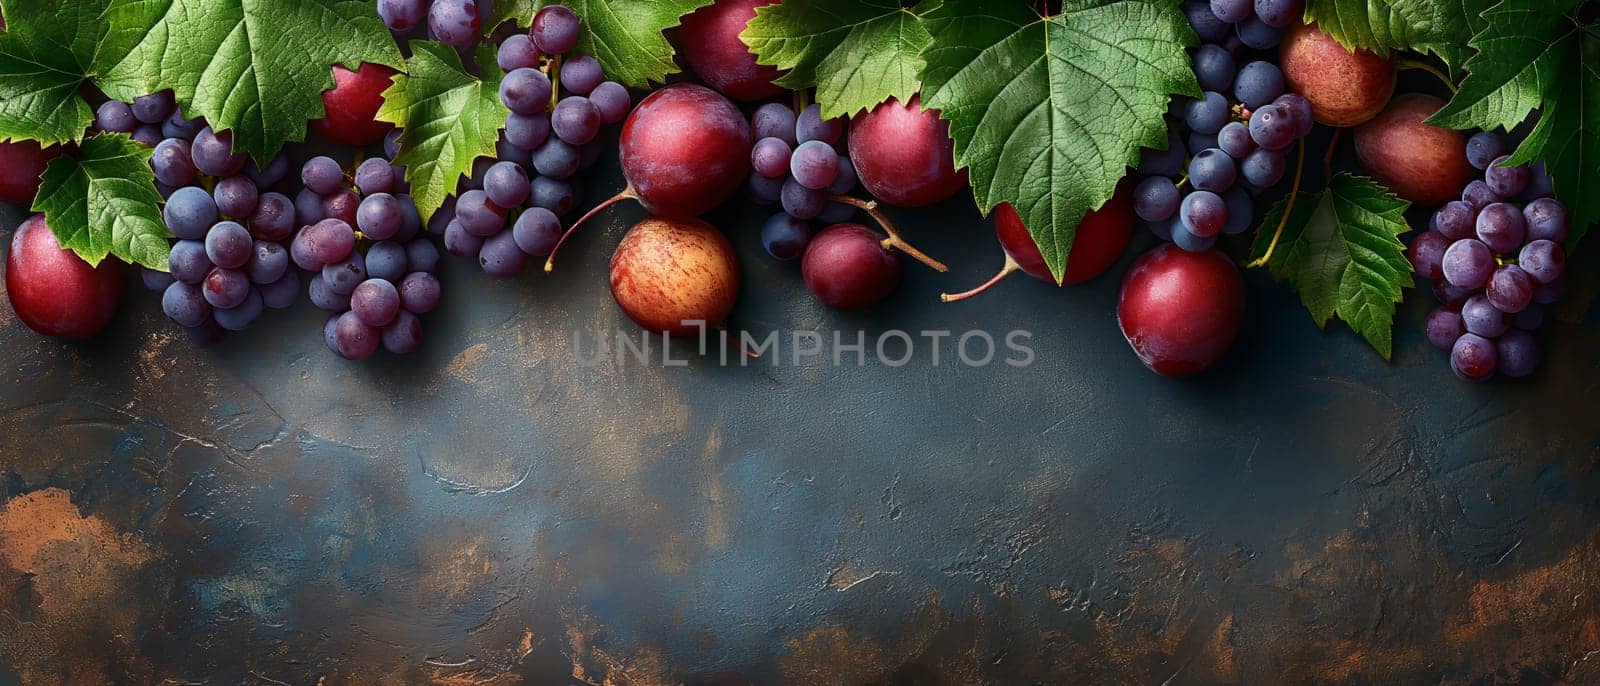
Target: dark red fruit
column 1344, row 88
column 53, row 290
column 352, row 104
column 1181, row 310
column 1424, row 164
column 710, row 44
column 670, row 271
column 21, row 163
column 1098, row 244
column 848, row 267
column 904, row 156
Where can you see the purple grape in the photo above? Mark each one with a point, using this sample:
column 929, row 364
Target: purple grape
column 846, row 180
column 1546, row 219
column 236, row 196
column 1478, row 195
column 1204, row 214
column 225, row 288
column 422, row 256
column 527, row 131
column 1258, row 84
column 506, row 184
column 171, row 162
column 525, row 91
column 1205, row 22
column 403, row 335
column 1256, row 34
column 455, row 22
column 1214, row 68
column 326, row 242
column 185, row 305
column 343, row 277
column 1299, row 109
column 1207, row 114
column 1212, row 170
column 352, row 338
column 1185, row 239
column 809, row 126
column 228, row 245
column 500, row 257
column 1272, row 127
column 1502, row 227
column 268, row 262
column 155, row 281
column 115, row 116
column 189, row 213
column 375, row 175
column 1450, row 294
column 1473, row 357
column 1484, row 148
column 1468, row 263
column 419, row 292
column 1234, row 139
column 815, row 165
column 275, row 171
column 1232, row 11
column 555, row 30
column 517, row 52
column 770, row 157
column 537, row 231
column 1517, row 354
column 1444, row 327
column 556, row 159
column 1539, row 184
column 325, row 298
column 1481, row 317
column 784, row 237
column 774, row 120
column 148, row 135
column 1427, row 254
column 1263, row 168
column 1510, row 289
column 478, row 215
column 403, row 16
column 241, row 316
column 553, row 194
column 1279, row 14
column 1456, row 220
column 1505, row 180
column 801, row 202
column 282, row 293
column 575, row 120
column 155, row 107
column 460, row 243
column 612, row 100
column 176, row 126
column 212, row 153
column 1169, row 162
column 322, row 175
column 308, row 207
column 581, row 74
column 375, row 302
column 187, row 261
column 1543, row 260
column 1201, row 141
column 1156, row 199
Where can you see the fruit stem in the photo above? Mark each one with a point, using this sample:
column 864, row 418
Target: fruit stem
column 1294, row 193
column 894, row 241
column 626, row 194
column 802, row 100
column 555, row 81
column 1424, row 66
column 1010, row 266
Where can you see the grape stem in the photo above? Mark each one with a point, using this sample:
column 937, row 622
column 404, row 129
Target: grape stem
column 1294, row 193
column 1010, row 266
column 626, row 194
column 894, row 241
column 1424, row 66
column 555, row 81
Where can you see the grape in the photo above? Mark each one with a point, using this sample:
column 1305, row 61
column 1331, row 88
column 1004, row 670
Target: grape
column 154, row 280
column 1201, row 141
column 171, row 162
column 506, row 184
column 155, row 107
column 375, row 175
column 785, row 237
column 1256, row 34
column 1517, row 353
column 809, row 126
column 282, row 293
column 391, row 143
column 1212, row 170
column 353, row 339
column 1155, row 199
column 1456, row 220
column 1185, row 239
column 212, row 153
column 185, row 305
column 1168, row 162
column 189, row 213
column 774, row 120
column 419, row 292
column 576, row 120
column 1427, row 254
column 455, row 22
column 1483, row 148
column 308, row 207
column 527, row 131
column 1205, row 22
column 403, row 335
column 536, row 231
column 1263, row 168
column 149, row 135
column 507, row 152
column 1510, row 289
column 478, row 215
column 1214, row 67
column 460, row 243
column 236, row 197
column 329, row 328
column 325, row 298
column 322, row 175
column 1279, row 14
column 1530, row 318
column 1258, row 84
column 343, row 277
column 275, row 171
column 379, row 216
column 1450, row 294
column 525, row 91
column 556, row 159
column 401, row 16
column 375, row 302
column 612, row 100
column 764, row 191
column 1207, row 114
column 422, row 256
column 1539, row 185
column 1298, row 109
column 1505, row 180
column 1543, row 260
column 1272, row 128
column 770, row 157
column 517, row 52
column 500, row 257
column 268, row 262
column 1234, row 139
column 801, row 202
column 342, row 205
column 1502, row 227
column 225, row 288
column 581, row 75
column 555, row 30
column 1478, row 195
column 846, row 180
column 1241, row 210
column 1232, row 11
column 176, row 126
column 553, row 194
column 325, row 242
column 1204, row 214
column 1444, row 327
column 116, row 117
column 410, row 219
column 1546, row 219
column 1481, row 317
column 1473, row 357
column 814, row 165
column 187, row 261
column 241, row 316
column 1467, row 263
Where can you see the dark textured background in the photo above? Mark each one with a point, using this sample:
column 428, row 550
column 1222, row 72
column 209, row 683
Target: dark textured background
column 487, row 511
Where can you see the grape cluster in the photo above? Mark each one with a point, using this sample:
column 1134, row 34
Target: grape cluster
column 1496, row 261
column 457, row 23
column 1202, row 187
column 551, row 133
column 229, row 262
column 798, row 162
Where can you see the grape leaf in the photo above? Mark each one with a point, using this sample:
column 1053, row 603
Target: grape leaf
column 1047, row 113
column 520, row 11
column 447, row 118
column 105, row 203
column 256, row 67
column 1340, row 250
column 1535, row 55
column 45, row 58
column 1442, row 27
column 626, row 35
column 856, row 54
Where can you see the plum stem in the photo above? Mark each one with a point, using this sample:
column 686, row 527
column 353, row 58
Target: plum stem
column 626, row 194
column 1294, row 193
column 1005, row 271
column 1424, row 66
column 894, row 241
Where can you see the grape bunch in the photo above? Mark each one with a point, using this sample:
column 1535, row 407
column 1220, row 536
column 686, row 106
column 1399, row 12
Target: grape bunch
column 457, row 23
column 798, row 162
column 1496, row 261
column 229, row 262
column 374, row 269
column 511, row 208
column 1201, row 187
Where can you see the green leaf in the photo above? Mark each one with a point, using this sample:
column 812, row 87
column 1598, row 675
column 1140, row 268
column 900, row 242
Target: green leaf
column 255, row 67
column 856, row 54
column 520, row 11
column 1340, row 250
column 447, row 118
column 45, row 59
column 1442, row 27
column 105, row 203
column 1048, row 113
column 626, row 36
column 1534, row 55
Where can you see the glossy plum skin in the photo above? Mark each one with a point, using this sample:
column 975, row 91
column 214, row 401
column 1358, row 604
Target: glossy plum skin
column 685, row 149
column 668, row 271
column 1344, row 88
column 847, row 267
column 1424, row 164
column 21, row 163
column 352, row 104
column 1102, row 237
column 903, row 154
column 1181, row 310
column 709, row 43
column 54, row 291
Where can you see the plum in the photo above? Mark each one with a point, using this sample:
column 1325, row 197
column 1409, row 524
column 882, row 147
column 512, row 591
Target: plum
column 848, row 266
column 21, row 164
column 1102, row 236
column 668, row 273
column 1424, row 164
column 352, row 104
column 1181, row 310
column 710, row 44
column 53, row 290
column 1344, row 88
column 903, row 154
